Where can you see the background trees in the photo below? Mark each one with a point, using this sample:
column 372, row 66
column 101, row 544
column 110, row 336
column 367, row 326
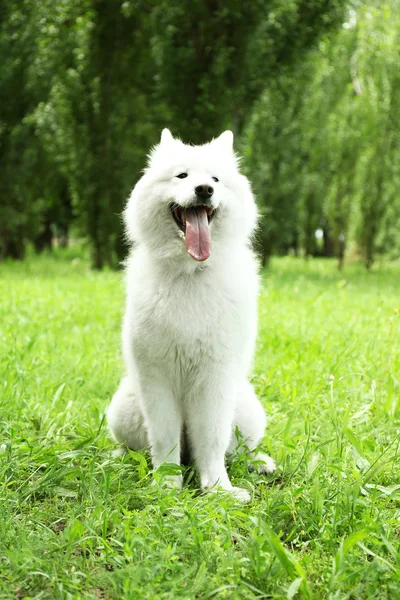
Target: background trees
column 322, row 145
column 310, row 89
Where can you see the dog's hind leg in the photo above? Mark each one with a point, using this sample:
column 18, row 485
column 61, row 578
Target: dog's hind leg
column 251, row 421
column 125, row 418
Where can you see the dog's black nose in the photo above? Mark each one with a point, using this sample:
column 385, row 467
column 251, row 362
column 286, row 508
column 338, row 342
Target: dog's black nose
column 204, row 191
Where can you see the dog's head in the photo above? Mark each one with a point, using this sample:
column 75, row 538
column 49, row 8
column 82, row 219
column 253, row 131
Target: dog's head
column 191, row 200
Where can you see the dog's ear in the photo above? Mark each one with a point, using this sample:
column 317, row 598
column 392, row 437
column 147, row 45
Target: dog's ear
column 225, row 140
column 166, row 137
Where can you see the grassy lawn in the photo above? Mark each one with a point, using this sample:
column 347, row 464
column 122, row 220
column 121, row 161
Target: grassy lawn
column 76, row 522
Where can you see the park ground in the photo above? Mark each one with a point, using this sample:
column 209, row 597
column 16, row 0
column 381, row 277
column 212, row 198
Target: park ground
column 77, row 522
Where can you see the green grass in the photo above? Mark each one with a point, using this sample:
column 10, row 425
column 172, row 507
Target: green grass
column 75, row 522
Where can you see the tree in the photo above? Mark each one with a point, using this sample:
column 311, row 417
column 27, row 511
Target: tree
column 310, row 89
column 93, row 119
column 215, row 59
column 321, row 144
column 19, row 204
column 378, row 57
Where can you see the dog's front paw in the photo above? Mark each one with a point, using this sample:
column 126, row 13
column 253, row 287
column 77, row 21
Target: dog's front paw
column 236, row 492
column 170, row 482
column 240, row 494
column 119, row 451
column 266, row 464
column 173, row 482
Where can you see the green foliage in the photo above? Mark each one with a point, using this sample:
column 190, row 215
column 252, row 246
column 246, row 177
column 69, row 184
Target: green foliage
column 321, row 146
column 77, row 522
column 379, row 53
column 20, row 204
column 310, row 89
column 96, row 81
column 215, row 60
column 93, row 119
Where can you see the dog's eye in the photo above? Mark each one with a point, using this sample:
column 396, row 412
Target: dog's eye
column 215, row 179
column 182, row 175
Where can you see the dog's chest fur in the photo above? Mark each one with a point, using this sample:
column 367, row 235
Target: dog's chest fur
column 184, row 323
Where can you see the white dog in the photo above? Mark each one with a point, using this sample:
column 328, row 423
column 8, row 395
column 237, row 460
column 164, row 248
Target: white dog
column 190, row 323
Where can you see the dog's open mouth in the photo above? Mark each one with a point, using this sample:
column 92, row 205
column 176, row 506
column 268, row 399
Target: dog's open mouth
column 195, row 224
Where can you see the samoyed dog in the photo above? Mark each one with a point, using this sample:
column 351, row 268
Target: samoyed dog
column 190, row 322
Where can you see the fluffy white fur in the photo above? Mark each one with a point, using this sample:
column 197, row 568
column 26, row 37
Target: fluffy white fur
column 189, row 328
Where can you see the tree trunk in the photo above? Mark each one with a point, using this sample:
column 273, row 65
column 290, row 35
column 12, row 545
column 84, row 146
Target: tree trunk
column 63, row 237
column 15, row 249
column 44, row 240
column 328, row 243
column 369, row 250
column 97, row 256
column 341, row 250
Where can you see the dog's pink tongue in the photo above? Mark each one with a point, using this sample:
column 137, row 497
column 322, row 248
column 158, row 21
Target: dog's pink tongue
column 198, row 238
